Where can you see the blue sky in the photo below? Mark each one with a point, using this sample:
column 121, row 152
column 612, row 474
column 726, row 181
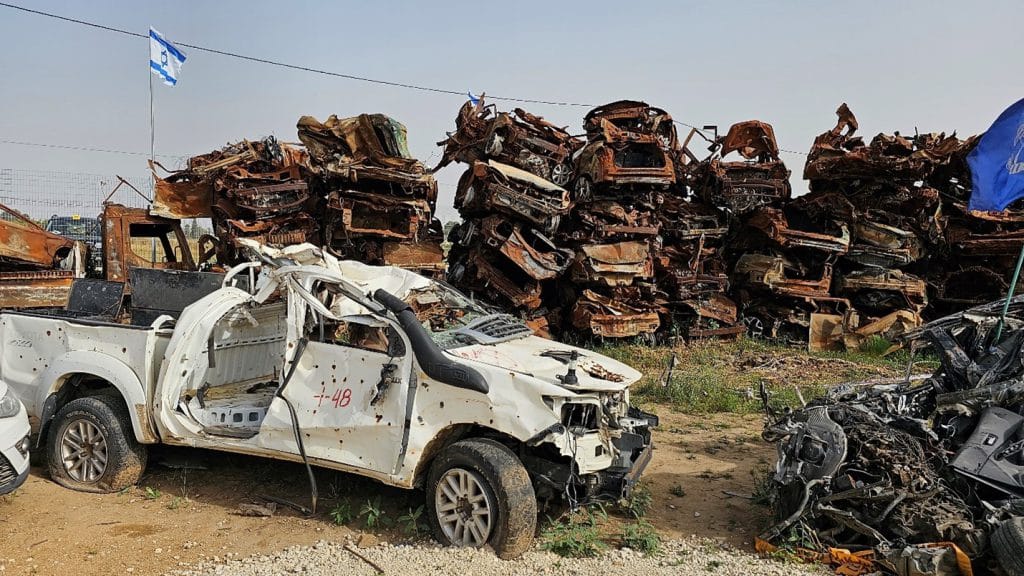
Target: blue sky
column 926, row 65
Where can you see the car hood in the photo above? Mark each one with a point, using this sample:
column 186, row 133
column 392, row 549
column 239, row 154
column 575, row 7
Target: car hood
column 546, row 360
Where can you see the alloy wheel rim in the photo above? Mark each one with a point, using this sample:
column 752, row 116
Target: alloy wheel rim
column 83, row 451
column 464, row 511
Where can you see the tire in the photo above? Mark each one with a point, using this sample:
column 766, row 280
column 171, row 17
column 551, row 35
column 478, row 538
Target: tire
column 114, row 460
column 1008, row 545
column 501, row 484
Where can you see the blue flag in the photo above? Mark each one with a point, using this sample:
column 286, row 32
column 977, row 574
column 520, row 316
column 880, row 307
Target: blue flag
column 997, row 163
column 472, row 98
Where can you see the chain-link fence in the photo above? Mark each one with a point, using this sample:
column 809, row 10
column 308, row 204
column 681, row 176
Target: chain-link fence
column 45, row 194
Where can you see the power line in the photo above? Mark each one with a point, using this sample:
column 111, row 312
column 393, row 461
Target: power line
column 291, row 66
column 84, row 148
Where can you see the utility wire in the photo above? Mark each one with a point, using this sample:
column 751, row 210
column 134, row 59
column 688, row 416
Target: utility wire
column 288, row 66
column 291, row 66
column 84, row 148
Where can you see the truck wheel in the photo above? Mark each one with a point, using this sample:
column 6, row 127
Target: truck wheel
column 478, row 493
column 1008, row 545
column 91, row 446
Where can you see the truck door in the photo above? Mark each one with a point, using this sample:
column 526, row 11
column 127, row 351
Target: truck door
column 349, row 392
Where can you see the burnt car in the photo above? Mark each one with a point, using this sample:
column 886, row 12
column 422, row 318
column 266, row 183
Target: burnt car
column 629, row 144
column 760, row 179
column 518, row 138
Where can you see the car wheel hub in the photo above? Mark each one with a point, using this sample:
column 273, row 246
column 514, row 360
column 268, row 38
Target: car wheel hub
column 463, row 510
column 83, row 451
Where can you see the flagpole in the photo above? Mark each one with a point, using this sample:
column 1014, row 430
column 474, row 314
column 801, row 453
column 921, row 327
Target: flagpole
column 152, row 134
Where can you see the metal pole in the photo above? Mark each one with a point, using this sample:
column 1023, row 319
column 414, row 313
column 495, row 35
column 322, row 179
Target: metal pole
column 1009, row 296
column 152, row 133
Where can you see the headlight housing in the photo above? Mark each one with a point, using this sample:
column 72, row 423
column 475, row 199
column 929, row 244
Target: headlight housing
column 9, row 405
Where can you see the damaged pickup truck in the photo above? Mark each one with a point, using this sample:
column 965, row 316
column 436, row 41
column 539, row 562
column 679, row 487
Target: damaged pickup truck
column 374, row 371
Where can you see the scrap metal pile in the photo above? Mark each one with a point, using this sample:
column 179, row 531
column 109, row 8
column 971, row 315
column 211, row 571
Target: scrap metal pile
column 589, row 237
column 915, row 477
column 352, row 187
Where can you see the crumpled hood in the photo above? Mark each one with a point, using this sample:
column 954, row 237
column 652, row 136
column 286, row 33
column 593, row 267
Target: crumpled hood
column 545, row 360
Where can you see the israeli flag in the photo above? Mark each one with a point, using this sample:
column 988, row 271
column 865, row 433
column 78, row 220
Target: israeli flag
column 165, row 59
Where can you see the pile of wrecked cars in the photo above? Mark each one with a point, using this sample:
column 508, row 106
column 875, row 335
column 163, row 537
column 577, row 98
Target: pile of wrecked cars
column 351, row 186
column 923, row 476
column 585, row 238
column 296, row 355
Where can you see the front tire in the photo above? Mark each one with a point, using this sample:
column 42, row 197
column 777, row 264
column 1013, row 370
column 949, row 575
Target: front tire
column 91, row 446
column 478, row 493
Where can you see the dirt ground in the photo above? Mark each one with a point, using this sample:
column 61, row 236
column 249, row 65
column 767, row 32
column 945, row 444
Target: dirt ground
column 180, row 514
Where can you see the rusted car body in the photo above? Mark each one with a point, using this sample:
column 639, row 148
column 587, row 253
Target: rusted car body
column 618, row 264
column 495, row 187
column 761, row 179
column 612, row 317
column 518, row 138
column 629, row 145
column 779, row 275
column 826, row 236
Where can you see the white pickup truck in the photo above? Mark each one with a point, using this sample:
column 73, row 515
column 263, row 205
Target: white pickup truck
column 370, row 370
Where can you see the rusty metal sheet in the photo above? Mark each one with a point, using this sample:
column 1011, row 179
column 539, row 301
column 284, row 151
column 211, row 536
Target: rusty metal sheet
column 617, row 264
column 827, row 236
column 41, row 289
column 182, row 198
column 752, row 139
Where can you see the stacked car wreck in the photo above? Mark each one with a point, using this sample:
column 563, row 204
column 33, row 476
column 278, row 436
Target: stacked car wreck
column 591, row 238
column 353, row 187
column 926, row 474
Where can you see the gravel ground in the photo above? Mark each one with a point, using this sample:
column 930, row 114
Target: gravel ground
column 331, row 558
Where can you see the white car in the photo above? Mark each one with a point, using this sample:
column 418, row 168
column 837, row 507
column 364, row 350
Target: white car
column 14, row 442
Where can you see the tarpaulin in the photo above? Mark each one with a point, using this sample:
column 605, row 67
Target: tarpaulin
column 997, row 163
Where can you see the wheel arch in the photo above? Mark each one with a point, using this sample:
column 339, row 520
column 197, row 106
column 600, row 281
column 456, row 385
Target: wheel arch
column 87, row 373
column 452, row 434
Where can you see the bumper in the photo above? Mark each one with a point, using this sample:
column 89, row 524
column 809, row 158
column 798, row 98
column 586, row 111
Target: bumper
column 13, row 462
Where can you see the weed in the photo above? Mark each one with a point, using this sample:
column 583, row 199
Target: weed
column 342, row 513
column 410, row 522
column 714, row 565
column 639, row 501
column 875, row 345
column 761, row 476
column 642, row 537
column 578, row 537
column 374, row 512
column 677, row 490
column 151, row 493
column 175, row 503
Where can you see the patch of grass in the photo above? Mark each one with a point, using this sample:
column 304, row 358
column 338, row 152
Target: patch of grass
column 639, row 501
column 342, row 513
column 642, row 537
column 175, row 503
column 677, row 490
column 150, row 493
column 875, row 345
column 576, row 537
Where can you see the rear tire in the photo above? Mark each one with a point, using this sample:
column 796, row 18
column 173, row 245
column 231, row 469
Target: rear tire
column 91, row 446
column 478, row 492
column 1008, row 545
